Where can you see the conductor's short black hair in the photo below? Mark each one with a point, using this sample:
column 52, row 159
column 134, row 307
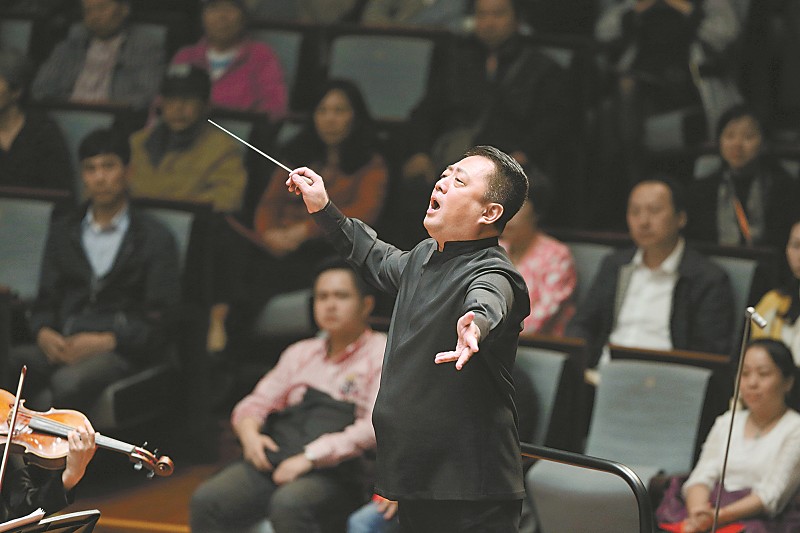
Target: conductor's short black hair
column 105, row 141
column 507, row 186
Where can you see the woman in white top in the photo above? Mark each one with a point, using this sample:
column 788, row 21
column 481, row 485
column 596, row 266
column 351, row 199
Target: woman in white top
column 763, row 469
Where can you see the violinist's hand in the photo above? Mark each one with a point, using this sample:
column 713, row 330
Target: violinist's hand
column 291, row 469
column 305, row 181
column 254, row 448
column 81, row 450
column 468, row 337
column 388, row 508
column 52, row 343
column 84, row 345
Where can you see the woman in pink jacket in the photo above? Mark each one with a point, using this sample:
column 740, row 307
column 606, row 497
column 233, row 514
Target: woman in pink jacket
column 245, row 74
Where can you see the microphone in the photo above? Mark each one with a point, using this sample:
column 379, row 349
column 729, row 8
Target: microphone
column 757, row 319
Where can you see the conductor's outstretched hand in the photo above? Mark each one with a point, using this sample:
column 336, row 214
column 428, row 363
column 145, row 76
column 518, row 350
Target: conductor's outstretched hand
column 467, row 344
column 305, row 181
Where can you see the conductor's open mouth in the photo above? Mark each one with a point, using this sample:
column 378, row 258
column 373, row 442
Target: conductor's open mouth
column 434, row 204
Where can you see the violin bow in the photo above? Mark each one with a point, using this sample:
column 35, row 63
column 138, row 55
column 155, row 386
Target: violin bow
column 12, row 424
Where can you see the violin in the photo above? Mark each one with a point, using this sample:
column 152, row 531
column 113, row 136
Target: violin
column 42, row 437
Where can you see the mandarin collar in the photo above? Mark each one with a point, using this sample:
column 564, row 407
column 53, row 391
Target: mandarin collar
column 454, row 248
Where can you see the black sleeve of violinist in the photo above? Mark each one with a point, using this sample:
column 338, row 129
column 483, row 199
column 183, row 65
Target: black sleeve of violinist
column 27, row 488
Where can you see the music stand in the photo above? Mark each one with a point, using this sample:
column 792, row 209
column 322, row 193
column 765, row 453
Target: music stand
column 83, row 521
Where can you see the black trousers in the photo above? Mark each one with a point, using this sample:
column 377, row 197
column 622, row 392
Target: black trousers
column 459, row 516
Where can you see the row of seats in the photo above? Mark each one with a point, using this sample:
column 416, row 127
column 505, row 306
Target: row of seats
column 633, row 419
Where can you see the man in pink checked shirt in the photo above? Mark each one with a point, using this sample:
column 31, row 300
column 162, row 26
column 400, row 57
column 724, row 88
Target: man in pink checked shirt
column 306, row 425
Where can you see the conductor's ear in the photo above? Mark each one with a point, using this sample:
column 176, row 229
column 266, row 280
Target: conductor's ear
column 492, row 213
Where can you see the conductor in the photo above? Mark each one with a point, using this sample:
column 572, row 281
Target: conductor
column 448, row 446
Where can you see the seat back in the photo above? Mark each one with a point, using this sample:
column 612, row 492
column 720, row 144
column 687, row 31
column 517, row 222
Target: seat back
column 648, row 414
column 544, row 370
column 24, row 223
column 75, row 124
column 286, row 315
column 741, row 273
column 587, row 256
column 16, row 33
column 392, row 71
column 287, row 45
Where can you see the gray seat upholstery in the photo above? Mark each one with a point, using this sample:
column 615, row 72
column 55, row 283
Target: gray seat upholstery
column 544, row 369
column 391, row 70
column 646, row 416
column 287, row 45
column 24, row 223
column 587, row 256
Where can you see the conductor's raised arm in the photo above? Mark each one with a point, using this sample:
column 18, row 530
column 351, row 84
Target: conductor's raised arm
column 310, row 185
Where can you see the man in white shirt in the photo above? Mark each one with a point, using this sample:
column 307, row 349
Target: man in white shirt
column 662, row 294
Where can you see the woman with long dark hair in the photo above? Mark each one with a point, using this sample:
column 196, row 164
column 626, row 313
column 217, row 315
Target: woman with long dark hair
column 781, row 306
column 339, row 139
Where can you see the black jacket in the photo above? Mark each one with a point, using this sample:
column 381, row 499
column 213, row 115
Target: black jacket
column 702, row 315
column 132, row 300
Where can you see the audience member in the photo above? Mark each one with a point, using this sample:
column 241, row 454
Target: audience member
column 245, row 74
column 751, row 199
column 339, row 138
column 661, row 294
column 781, row 307
column 27, row 487
column 33, row 152
column 661, row 53
column 183, row 157
column 548, row 269
column 763, row 463
column 492, row 87
column 449, row 14
column 307, row 424
column 104, row 59
column 110, row 277
column 306, row 11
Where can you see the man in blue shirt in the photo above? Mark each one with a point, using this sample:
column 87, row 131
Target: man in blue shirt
column 109, row 277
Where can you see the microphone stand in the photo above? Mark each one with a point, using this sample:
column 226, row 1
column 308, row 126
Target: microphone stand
column 750, row 315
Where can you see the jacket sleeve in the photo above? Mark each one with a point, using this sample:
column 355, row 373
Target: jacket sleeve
column 491, row 298
column 58, row 73
column 144, row 62
column 713, row 311
column 26, row 495
column 379, row 262
column 45, row 307
column 272, row 86
column 594, row 313
column 227, row 178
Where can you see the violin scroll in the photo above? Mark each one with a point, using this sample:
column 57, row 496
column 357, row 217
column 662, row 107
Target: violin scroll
column 157, row 466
